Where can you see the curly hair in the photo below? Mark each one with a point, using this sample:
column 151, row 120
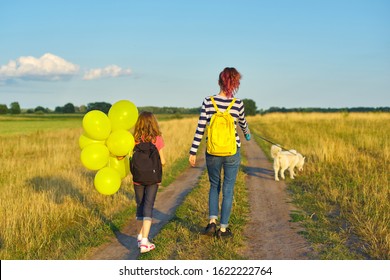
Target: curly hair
column 146, row 128
column 229, row 81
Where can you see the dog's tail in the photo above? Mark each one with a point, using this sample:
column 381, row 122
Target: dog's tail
column 275, row 150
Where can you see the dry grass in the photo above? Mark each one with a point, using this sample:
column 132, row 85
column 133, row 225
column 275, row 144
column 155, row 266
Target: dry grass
column 346, row 179
column 48, row 204
column 178, row 135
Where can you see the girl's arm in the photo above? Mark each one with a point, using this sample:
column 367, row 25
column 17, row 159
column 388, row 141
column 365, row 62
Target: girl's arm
column 162, row 156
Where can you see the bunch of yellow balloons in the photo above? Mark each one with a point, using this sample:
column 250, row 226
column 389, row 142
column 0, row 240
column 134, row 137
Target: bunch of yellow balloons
column 105, row 138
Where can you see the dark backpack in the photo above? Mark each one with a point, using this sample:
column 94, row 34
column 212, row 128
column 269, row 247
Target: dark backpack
column 145, row 164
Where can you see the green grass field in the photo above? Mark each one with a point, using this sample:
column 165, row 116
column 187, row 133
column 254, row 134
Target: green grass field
column 25, row 124
column 30, row 123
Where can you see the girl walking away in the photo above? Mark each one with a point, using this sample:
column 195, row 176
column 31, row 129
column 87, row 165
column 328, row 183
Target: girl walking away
column 229, row 82
column 146, row 134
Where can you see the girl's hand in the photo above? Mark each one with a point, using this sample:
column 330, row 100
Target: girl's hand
column 120, row 157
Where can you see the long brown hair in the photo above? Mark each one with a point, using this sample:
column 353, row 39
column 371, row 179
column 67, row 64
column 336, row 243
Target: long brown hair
column 146, row 128
column 229, row 81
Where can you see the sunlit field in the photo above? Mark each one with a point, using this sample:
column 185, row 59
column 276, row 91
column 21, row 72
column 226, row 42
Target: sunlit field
column 344, row 188
column 48, row 204
column 51, row 210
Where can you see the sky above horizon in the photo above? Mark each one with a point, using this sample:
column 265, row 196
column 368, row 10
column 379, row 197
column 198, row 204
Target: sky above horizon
column 301, row 53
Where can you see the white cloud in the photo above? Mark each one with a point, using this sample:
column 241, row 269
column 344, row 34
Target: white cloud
column 47, row 67
column 107, row 72
column 51, row 67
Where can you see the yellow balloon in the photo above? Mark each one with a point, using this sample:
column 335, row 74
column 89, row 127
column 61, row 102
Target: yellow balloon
column 107, row 181
column 97, row 125
column 84, row 141
column 123, row 115
column 95, row 156
column 122, row 166
column 120, row 142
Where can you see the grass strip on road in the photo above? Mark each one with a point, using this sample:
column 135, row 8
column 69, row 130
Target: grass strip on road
column 182, row 238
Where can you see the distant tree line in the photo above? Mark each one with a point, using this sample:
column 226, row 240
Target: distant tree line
column 250, row 109
column 68, row 108
column 105, row 107
column 324, row 110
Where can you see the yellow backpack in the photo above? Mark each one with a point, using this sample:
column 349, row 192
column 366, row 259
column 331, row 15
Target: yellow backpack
column 221, row 133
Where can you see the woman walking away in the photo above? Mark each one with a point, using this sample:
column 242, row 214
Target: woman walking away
column 228, row 159
column 148, row 145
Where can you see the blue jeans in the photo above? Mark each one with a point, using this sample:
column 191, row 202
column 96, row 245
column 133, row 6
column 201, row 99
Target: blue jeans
column 145, row 197
column 230, row 165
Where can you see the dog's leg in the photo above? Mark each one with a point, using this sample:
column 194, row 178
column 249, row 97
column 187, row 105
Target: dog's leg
column 282, row 172
column 276, row 170
column 292, row 174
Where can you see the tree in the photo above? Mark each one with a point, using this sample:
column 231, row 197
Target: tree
column 101, row 106
column 40, row 109
column 250, row 107
column 15, row 108
column 69, row 108
column 3, row 109
column 83, row 109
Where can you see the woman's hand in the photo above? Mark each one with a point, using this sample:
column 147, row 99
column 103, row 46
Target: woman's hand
column 192, row 160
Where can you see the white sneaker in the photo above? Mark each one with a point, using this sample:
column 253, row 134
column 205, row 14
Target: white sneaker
column 139, row 239
column 144, row 248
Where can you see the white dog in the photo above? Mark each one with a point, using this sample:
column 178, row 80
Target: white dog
column 286, row 160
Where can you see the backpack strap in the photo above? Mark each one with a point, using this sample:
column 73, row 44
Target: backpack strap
column 231, row 104
column 214, row 104
column 216, row 107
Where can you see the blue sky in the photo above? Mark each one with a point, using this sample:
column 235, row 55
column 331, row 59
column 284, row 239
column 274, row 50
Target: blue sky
column 333, row 53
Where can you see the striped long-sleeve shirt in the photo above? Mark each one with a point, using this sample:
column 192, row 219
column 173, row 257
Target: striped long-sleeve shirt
column 207, row 111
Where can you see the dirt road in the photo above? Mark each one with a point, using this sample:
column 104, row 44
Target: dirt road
column 270, row 234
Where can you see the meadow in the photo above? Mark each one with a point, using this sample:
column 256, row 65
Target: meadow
column 50, row 209
column 344, row 190
column 48, row 204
